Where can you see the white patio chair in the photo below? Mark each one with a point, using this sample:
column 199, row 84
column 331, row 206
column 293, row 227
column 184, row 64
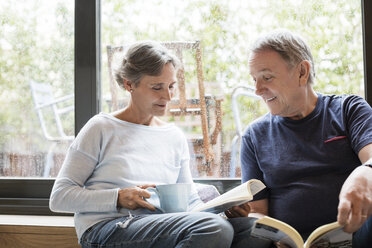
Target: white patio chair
column 43, row 98
column 238, row 91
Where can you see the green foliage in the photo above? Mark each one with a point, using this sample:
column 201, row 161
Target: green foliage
column 226, row 28
column 32, row 48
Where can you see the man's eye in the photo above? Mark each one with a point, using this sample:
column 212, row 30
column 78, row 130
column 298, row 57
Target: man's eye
column 156, row 88
column 254, row 79
column 267, row 78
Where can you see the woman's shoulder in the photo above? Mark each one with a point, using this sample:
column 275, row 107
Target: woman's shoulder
column 98, row 121
column 95, row 125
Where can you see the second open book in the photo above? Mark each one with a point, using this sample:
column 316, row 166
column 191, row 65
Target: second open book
column 329, row 235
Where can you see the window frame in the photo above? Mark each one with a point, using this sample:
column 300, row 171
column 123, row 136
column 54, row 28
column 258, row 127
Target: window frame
column 31, row 196
column 367, row 48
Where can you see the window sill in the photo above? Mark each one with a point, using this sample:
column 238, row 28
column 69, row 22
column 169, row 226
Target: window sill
column 37, row 231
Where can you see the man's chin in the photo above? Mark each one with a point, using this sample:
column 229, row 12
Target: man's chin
column 274, row 111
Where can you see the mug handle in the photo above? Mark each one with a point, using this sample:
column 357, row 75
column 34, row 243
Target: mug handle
column 154, row 198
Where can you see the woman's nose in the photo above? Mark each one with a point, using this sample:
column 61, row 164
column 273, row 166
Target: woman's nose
column 168, row 94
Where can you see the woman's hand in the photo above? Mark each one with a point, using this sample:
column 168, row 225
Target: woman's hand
column 134, row 197
column 238, row 211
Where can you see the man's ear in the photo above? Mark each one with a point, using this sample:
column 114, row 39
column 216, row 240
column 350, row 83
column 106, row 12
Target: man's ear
column 304, row 72
column 127, row 85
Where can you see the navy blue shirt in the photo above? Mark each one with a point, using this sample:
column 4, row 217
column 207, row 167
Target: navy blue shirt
column 304, row 162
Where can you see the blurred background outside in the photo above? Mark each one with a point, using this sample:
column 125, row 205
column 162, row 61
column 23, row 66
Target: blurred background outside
column 37, row 66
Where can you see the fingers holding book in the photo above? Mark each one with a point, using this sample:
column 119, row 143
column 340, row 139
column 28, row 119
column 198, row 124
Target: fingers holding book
column 355, row 203
column 238, row 211
column 352, row 215
column 281, row 245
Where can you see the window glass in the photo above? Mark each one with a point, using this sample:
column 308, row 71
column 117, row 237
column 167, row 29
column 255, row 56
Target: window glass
column 225, row 29
column 36, row 86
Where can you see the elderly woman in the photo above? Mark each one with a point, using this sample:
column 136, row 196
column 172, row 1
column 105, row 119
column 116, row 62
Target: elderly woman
column 115, row 157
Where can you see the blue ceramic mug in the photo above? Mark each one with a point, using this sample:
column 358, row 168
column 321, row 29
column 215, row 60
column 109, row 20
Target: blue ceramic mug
column 170, row 198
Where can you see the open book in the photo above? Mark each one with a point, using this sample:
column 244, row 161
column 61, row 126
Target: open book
column 329, row 235
column 234, row 197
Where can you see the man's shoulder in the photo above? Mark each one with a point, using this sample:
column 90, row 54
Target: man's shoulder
column 259, row 123
column 329, row 98
column 342, row 102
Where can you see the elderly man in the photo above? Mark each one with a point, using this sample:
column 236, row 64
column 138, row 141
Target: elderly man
column 313, row 151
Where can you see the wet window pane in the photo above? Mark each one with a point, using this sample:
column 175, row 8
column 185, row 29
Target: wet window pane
column 225, row 29
column 36, row 86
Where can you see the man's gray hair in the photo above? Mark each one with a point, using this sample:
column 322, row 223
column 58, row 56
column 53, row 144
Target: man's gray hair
column 141, row 59
column 291, row 47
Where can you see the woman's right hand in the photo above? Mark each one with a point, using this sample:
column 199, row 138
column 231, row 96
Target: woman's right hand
column 134, row 198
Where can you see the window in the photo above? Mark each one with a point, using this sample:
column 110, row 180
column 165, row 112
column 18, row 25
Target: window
column 37, row 53
column 37, row 85
column 30, row 195
column 225, row 29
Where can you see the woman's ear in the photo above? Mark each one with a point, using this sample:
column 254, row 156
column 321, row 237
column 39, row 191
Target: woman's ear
column 304, row 72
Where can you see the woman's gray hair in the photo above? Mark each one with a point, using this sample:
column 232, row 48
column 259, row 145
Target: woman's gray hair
column 141, row 59
column 291, row 47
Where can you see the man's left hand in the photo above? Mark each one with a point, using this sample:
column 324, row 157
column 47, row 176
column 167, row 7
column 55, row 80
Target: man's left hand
column 238, row 211
column 355, row 204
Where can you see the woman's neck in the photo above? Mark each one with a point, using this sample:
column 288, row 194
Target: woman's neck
column 130, row 114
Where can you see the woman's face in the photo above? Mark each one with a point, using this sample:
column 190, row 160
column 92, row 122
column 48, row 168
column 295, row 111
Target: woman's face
column 153, row 93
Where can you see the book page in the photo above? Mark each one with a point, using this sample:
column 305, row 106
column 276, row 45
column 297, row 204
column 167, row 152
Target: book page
column 277, row 231
column 222, row 207
column 330, row 235
column 255, row 186
column 234, row 197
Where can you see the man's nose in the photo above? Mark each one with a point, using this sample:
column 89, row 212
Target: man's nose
column 259, row 87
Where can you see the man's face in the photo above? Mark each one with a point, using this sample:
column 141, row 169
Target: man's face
column 153, row 93
column 277, row 84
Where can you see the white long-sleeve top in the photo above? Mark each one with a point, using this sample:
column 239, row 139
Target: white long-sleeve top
column 109, row 154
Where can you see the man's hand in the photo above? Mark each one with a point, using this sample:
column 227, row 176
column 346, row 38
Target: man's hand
column 355, row 204
column 134, row 197
column 238, row 211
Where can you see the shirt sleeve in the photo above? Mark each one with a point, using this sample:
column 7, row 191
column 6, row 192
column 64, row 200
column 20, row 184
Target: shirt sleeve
column 68, row 193
column 358, row 119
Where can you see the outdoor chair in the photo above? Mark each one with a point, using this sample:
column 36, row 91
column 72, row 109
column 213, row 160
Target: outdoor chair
column 49, row 114
column 237, row 92
column 206, row 106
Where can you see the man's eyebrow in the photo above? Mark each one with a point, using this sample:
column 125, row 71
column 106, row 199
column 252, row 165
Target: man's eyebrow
column 265, row 70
